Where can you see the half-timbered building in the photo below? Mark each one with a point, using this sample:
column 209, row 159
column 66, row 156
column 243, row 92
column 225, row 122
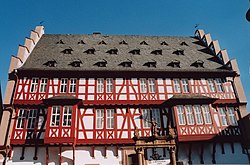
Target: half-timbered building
column 123, row 99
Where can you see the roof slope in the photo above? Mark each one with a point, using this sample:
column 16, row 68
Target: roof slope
column 51, row 47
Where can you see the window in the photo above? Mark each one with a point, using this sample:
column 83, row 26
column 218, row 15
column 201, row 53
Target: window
column 55, row 117
column 34, row 85
column 198, row 114
column 177, row 86
column 211, row 85
column 219, row 85
column 156, row 116
column 43, row 85
column 109, row 85
column 207, row 115
column 223, row 117
column 180, row 113
column 143, row 85
column 31, row 118
column 64, row 84
column 99, row 118
column 189, row 114
column 110, row 118
column 100, row 85
column 185, row 86
column 72, row 85
column 67, row 115
column 151, row 83
column 21, row 118
column 146, row 118
column 232, row 116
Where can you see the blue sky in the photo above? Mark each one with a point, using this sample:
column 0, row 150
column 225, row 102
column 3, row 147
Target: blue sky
column 224, row 19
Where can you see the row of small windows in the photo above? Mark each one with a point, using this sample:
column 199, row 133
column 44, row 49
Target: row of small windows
column 115, row 51
column 106, row 85
column 127, row 63
column 200, row 114
column 122, row 43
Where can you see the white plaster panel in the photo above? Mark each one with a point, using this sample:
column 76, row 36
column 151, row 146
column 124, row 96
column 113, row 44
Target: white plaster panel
column 89, row 111
column 160, row 81
column 56, row 89
column 119, row 122
column 125, row 134
column 123, row 97
column 88, row 122
column 19, row 88
column 80, row 135
column 203, row 81
column 168, row 81
column 119, row 81
column 216, row 118
column 132, row 97
column 169, row 89
column 191, row 81
column 91, row 89
column 82, row 81
column 136, row 89
column 161, row 96
column 134, row 81
column 90, row 97
column 81, row 89
column 81, row 97
column 50, row 89
column 89, row 135
column 131, row 89
column 55, row 81
column 124, row 90
column 91, row 81
column 169, row 96
column 26, row 88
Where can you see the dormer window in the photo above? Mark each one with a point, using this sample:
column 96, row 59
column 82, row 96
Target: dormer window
column 135, row 52
column 150, row 64
column 197, row 34
column 164, row 43
column 51, row 63
column 198, row 64
column 81, row 42
column 220, row 56
column 204, row 40
column 174, row 64
column 157, row 52
column 127, row 64
column 112, row 51
column 211, row 47
column 143, row 43
column 123, row 43
column 101, row 63
column 60, row 42
column 179, row 52
column 67, row 51
column 184, row 44
column 90, row 51
column 76, row 63
column 102, row 43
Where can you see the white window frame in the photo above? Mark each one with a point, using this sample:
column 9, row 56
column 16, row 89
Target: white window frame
column 232, row 116
column 206, row 114
column 198, row 115
column 143, row 85
column 34, row 85
column 72, row 85
column 151, row 85
column 67, row 116
column 189, row 114
column 55, row 116
column 219, row 84
column 43, row 85
column 185, row 85
column 21, row 119
column 32, row 113
column 156, row 116
column 100, row 85
column 211, row 85
column 181, row 115
column 99, row 118
column 146, row 117
column 109, row 118
column 63, row 85
column 223, row 116
column 177, row 85
column 109, row 85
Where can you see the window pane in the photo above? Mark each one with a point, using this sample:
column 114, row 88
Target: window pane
column 223, row 117
column 100, row 85
column 31, row 118
column 180, row 113
column 64, row 84
column 198, row 115
column 43, row 85
column 206, row 113
column 99, row 118
column 67, row 115
column 110, row 118
column 156, row 116
column 232, row 116
column 109, row 85
column 34, row 85
column 72, row 86
column 143, row 85
column 185, row 85
column 55, row 117
column 21, row 118
column 146, row 118
column 177, row 86
column 219, row 84
column 211, row 85
column 189, row 114
column 151, row 83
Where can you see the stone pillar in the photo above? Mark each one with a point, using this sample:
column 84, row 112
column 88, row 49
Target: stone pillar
column 139, row 152
column 172, row 156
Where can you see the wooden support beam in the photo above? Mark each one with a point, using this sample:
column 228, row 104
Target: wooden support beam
column 222, row 148
column 105, row 151
column 190, row 154
column 117, row 149
column 60, row 153
column 213, row 155
column 177, row 151
column 93, row 152
column 22, row 154
column 232, row 147
column 47, row 154
column 201, row 155
column 164, row 152
column 74, row 154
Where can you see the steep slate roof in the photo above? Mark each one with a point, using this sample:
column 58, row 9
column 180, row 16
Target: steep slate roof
column 49, row 49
